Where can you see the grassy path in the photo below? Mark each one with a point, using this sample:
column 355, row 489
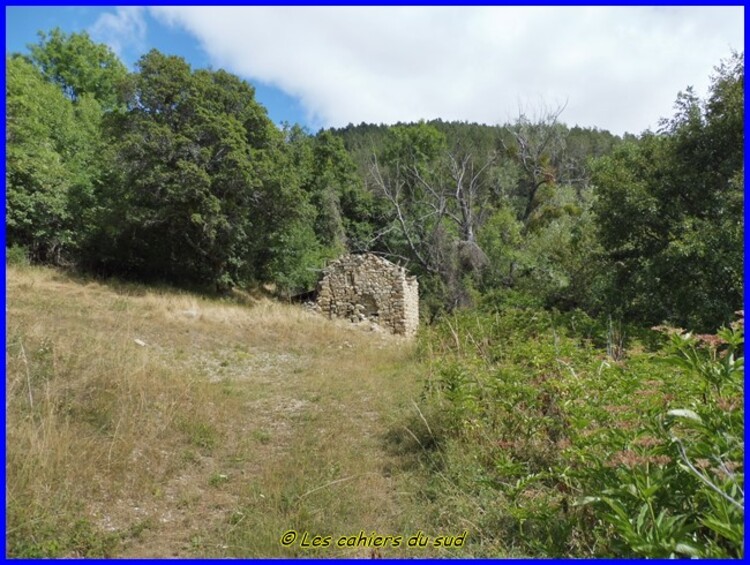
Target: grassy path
column 145, row 423
column 307, row 451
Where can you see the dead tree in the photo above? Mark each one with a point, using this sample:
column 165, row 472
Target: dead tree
column 538, row 145
column 437, row 210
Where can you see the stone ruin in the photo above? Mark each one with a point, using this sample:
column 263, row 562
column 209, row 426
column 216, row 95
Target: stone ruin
column 369, row 288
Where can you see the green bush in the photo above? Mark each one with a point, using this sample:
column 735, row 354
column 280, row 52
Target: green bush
column 680, row 490
column 557, row 448
column 16, row 255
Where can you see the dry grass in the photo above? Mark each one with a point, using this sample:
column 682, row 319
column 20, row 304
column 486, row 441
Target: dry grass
column 149, row 422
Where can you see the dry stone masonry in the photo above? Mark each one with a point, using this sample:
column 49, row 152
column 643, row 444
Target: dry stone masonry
column 369, row 288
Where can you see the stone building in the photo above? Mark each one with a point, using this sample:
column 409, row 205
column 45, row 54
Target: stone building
column 368, row 287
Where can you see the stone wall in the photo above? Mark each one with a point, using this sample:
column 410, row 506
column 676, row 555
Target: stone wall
column 368, row 287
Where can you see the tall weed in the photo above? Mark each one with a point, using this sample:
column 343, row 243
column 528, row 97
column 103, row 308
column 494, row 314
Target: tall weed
column 561, row 448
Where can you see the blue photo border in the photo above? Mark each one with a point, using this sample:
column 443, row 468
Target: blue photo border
column 88, row 3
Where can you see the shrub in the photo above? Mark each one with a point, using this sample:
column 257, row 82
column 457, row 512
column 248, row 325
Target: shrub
column 16, row 255
column 560, row 449
column 680, row 490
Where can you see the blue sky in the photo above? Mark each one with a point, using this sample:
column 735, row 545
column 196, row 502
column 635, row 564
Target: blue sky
column 616, row 68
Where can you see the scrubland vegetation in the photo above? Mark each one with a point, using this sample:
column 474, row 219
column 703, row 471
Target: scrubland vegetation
column 556, row 447
column 576, row 388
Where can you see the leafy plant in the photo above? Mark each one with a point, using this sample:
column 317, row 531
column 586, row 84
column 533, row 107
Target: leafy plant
column 566, row 451
column 684, row 494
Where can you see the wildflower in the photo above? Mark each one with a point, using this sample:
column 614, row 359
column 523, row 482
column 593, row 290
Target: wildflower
column 727, row 404
column 710, row 340
column 702, row 463
column 732, row 466
column 624, row 425
column 660, row 460
column 646, row 441
column 630, row 459
column 627, row 459
column 726, row 469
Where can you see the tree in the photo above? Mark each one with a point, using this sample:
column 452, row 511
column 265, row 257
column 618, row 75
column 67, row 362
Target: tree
column 537, row 147
column 342, row 193
column 437, row 198
column 79, row 66
column 190, row 194
column 542, row 176
column 336, row 191
column 51, row 164
column 56, row 157
column 669, row 211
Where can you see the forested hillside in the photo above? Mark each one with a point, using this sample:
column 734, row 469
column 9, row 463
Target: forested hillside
column 175, row 174
column 576, row 387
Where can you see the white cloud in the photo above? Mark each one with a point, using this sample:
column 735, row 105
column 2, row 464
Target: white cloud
column 124, row 28
column 618, row 68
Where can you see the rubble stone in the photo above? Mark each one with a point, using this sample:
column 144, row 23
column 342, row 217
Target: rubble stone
column 370, row 288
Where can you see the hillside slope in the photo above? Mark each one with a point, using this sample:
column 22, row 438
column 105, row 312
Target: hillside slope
column 147, row 422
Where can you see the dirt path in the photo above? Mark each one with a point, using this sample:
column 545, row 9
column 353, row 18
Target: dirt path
column 309, row 454
column 180, row 425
